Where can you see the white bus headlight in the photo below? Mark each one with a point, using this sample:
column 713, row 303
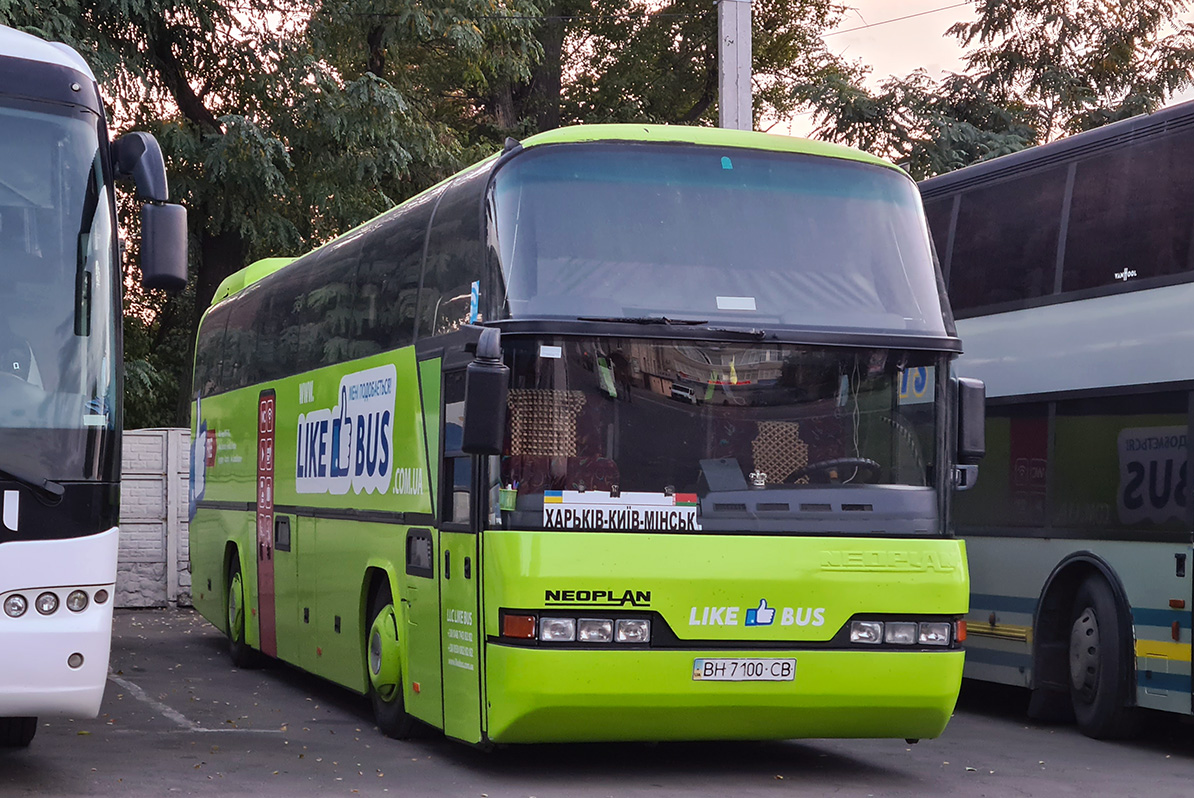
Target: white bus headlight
column 595, row 630
column 934, row 634
column 557, row 630
column 633, row 630
column 47, row 603
column 900, row 633
column 868, row 632
column 77, row 601
column 15, row 605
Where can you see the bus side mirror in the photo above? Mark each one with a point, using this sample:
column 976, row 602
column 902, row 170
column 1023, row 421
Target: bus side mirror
column 972, row 419
column 163, row 226
column 164, row 246
column 487, row 384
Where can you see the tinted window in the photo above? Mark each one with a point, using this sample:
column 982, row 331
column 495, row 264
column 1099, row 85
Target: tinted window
column 1132, row 215
column 455, row 255
column 310, row 321
column 939, row 213
column 209, row 352
column 1005, row 244
column 1121, row 464
column 241, row 339
column 1013, row 483
column 388, row 276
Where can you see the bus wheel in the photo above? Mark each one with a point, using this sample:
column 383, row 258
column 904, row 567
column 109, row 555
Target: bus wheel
column 17, row 732
column 241, row 653
column 385, row 668
column 1099, row 666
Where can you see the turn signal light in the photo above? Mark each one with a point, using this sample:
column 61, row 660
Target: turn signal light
column 520, row 626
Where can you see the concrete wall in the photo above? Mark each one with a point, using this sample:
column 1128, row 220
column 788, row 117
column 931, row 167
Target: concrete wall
column 154, row 567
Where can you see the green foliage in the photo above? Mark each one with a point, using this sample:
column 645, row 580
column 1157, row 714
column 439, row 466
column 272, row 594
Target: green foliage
column 1035, row 69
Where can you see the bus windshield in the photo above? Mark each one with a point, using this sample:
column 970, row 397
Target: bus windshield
column 58, row 303
column 644, row 434
column 619, row 230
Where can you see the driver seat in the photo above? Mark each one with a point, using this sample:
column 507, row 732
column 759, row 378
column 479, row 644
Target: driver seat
column 778, row 451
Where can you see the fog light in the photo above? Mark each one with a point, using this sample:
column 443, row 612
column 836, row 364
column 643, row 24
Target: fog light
column 15, row 605
column 934, row 634
column 75, row 660
column 557, row 630
column 867, row 632
column 101, row 596
column 634, row 631
column 47, row 603
column 900, row 633
column 595, row 630
column 77, row 601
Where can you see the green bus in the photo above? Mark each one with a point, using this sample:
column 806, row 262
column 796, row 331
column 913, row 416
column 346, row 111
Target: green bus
column 624, row 433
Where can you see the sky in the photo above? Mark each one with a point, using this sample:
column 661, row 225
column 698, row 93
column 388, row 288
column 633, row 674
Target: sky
column 895, row 37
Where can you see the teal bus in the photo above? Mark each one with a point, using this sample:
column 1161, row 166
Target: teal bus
column 1070, row 268
column 624, row 433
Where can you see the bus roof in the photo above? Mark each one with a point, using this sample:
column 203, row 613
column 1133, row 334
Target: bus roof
column 1070, row 148
column 15, row 44
column 660, row 134
column 709, row 136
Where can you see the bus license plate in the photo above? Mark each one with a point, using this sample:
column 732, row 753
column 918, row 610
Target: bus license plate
column 739, row 669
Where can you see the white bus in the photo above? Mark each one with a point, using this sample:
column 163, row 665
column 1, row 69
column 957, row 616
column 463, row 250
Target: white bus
column 1070, row 268
column 61, row 374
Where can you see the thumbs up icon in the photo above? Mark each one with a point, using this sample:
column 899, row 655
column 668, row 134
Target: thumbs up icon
column 761, row 615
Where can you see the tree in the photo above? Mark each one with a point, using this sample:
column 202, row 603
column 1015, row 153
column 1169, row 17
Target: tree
column 644, row 61
column 1035, row 69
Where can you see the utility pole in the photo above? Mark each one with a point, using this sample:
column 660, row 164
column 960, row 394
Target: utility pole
column 734, row 65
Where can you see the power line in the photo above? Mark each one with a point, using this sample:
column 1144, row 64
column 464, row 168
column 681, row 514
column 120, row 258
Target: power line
column 896, row 19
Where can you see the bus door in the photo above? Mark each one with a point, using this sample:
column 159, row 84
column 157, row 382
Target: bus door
column 266, row 416
column 459, row 573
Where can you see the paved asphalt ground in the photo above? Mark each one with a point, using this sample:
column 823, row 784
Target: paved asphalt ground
column 179, row 720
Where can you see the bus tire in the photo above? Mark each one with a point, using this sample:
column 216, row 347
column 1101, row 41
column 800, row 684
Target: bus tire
column 240, row 652
column 1099, row 666
column 383, row 663
column 17, row 732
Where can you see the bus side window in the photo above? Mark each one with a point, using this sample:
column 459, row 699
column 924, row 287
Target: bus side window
column 240, row 339
column 1132, row 215
column 388, row 276
column 455, row 256
column 209, row 353
column 989, row 267
column 457, row 471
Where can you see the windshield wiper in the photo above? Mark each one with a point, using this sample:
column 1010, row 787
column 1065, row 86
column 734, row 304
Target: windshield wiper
column 645, row 320
column 47, row 487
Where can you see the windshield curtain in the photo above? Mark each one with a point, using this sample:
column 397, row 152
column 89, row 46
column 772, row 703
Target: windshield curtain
column 619, row 230
column 748, row 437
column 58, row 309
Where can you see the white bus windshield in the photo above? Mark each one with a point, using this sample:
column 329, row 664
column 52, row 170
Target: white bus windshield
column 621, row 230
column 58, row 303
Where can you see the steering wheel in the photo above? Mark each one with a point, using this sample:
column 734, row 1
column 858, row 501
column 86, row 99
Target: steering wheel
column 832, row 469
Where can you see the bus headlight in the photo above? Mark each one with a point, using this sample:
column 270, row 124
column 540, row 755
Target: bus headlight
column 633, row 630
column 900, row 633
column 15, row 605
column 77, row 601
column 557, row 630
column 934, row 634
column 868, row 632
column 595, row 630
column 47, row 603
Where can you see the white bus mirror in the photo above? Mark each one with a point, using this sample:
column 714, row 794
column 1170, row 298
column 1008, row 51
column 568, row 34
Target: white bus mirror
column 164, row 246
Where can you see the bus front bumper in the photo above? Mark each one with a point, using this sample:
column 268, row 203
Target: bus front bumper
column 545, row 695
